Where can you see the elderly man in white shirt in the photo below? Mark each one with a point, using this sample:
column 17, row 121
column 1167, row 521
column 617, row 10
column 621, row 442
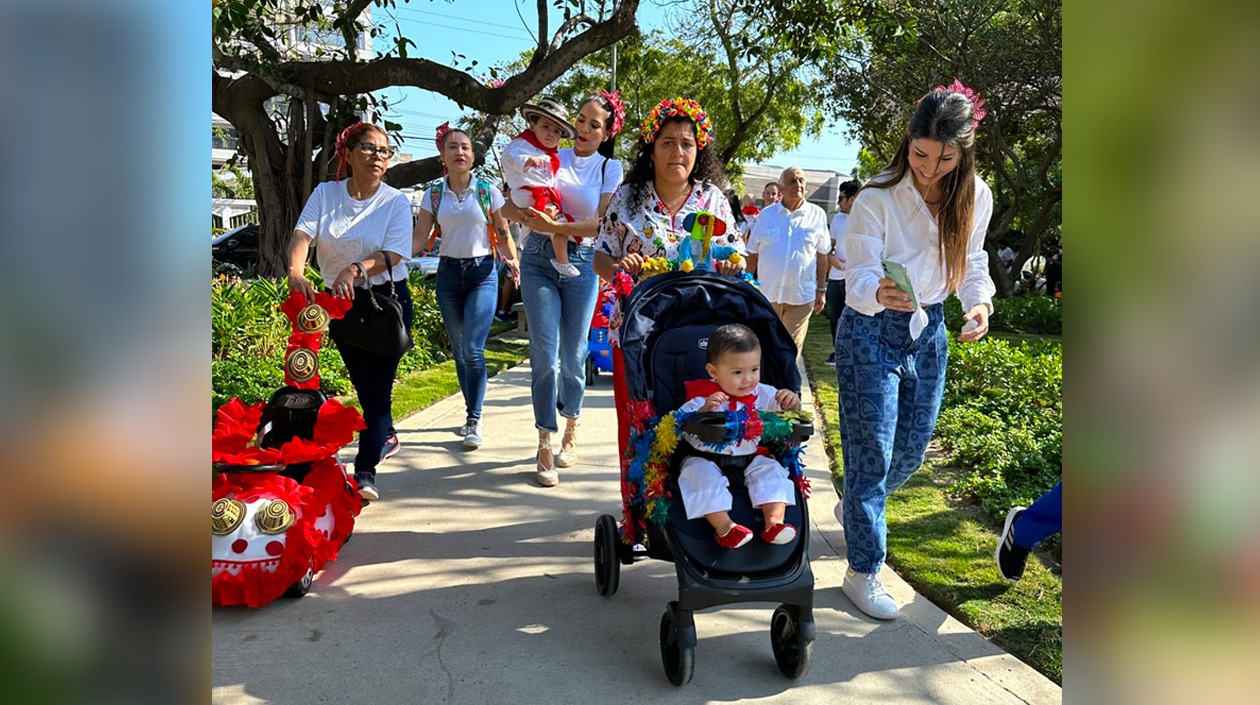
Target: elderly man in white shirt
column 787, row 248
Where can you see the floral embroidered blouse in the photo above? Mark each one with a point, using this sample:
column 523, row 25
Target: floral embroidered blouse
column 654, row 231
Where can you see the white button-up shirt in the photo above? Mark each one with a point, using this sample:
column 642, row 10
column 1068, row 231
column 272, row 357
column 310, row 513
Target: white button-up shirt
column 838, row 223
column 895, row 224
column 787, row 244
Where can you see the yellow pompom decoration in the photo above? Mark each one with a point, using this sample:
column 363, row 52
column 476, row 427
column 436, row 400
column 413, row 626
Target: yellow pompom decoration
column 654, row 266
column 735, row 258
column 686, row 265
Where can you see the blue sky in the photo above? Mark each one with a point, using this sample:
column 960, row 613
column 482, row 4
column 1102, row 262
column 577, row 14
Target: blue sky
column 491, row 32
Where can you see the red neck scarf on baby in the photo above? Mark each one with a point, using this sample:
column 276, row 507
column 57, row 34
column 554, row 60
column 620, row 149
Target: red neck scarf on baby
column 529, row 137
column 707, row 387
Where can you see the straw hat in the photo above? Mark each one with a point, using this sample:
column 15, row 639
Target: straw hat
column 549, row 107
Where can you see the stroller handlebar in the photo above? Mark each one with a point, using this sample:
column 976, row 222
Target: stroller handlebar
column 711, row 427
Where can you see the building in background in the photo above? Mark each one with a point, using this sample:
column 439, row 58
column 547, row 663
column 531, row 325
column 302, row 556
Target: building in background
column 823, row 184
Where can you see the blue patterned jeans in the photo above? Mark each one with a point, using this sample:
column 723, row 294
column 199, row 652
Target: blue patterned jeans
column 890, row 395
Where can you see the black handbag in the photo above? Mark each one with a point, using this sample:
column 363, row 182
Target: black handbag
column 374, row 322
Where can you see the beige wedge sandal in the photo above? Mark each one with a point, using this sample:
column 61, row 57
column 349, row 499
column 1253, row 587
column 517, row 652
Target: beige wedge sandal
column 546, row 475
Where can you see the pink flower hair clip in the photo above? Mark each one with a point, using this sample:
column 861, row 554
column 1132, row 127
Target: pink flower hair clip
column 618, row 110
column 977, row 103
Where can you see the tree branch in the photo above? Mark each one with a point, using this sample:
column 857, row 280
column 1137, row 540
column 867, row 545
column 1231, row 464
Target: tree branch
column 428, row 169
column 350, row 78
column 540, row 51
column 568, row 26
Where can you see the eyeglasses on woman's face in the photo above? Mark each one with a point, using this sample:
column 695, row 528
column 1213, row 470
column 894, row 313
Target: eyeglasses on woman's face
column 369, row 149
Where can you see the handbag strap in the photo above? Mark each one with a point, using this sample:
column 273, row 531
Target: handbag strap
column 389, row 272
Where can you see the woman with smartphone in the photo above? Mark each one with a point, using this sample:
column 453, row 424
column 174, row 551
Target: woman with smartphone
column 915, row 235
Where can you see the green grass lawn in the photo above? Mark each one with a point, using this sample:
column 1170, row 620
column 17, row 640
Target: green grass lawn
column 424, row 387
column 943, row 546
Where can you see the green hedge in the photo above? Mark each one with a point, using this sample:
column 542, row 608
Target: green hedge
column 1002, row 419
column 249, row 335
column 1039, row 315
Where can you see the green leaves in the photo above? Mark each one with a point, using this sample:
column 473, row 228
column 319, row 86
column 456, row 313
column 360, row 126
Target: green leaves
column 249, row 336
column 1002, row 420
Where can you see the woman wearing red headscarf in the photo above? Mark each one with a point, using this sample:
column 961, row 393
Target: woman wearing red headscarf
column 361, row 228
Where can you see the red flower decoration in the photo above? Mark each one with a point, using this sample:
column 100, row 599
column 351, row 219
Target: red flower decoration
column 754, row 428
column 337, row 423
column 234, row 427
column 622, row 284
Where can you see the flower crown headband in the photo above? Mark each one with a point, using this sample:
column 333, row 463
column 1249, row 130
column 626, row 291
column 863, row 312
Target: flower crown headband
column 618, row 110
column 671, row 107
column 977, row 103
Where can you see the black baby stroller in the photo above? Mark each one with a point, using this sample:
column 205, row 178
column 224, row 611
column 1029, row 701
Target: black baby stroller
column 666, row 322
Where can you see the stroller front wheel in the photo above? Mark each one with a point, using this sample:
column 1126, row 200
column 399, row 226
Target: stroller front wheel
column 792, row 640
column 607, row 561
column 678, row 644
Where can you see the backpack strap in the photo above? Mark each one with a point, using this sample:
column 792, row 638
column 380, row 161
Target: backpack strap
column 435, row 202
column 483, row 199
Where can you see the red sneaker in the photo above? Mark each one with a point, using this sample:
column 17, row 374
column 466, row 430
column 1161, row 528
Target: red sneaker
column 735, row 537
column 779, row 534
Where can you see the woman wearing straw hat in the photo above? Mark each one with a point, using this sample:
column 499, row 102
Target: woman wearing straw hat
column 559, row 308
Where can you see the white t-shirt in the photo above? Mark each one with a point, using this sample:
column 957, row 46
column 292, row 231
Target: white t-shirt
column 838, row 223
column 787, row 245
column 895, row 224
column 581, row 181
column 464, row 232
column 347, row 230
column 517, row 175
column 765, row 402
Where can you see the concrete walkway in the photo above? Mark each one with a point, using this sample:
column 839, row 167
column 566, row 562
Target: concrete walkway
column 468, row 583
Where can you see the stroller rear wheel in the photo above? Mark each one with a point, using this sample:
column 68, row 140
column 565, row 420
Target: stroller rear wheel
column 591, row 372
column 678, row 644
column 607, row 561
column 791, row 640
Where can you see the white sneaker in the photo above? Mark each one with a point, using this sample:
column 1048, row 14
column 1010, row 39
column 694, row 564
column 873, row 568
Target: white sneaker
column 867, row 592
column 565, row 269
column 467, row 427
column 472, row 439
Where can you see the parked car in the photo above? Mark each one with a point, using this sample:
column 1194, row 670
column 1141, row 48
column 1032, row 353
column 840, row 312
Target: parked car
column 427, row 266
column 235, row 250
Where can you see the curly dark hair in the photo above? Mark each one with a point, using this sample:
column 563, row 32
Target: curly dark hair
column 707, row 169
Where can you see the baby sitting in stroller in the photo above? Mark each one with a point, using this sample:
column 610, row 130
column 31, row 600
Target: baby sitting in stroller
column 734, row 367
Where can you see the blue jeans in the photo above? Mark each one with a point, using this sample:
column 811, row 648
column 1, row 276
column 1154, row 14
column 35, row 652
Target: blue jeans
column 559, row 313
column 372, row 375
column 890, row 395
column 467, row 292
